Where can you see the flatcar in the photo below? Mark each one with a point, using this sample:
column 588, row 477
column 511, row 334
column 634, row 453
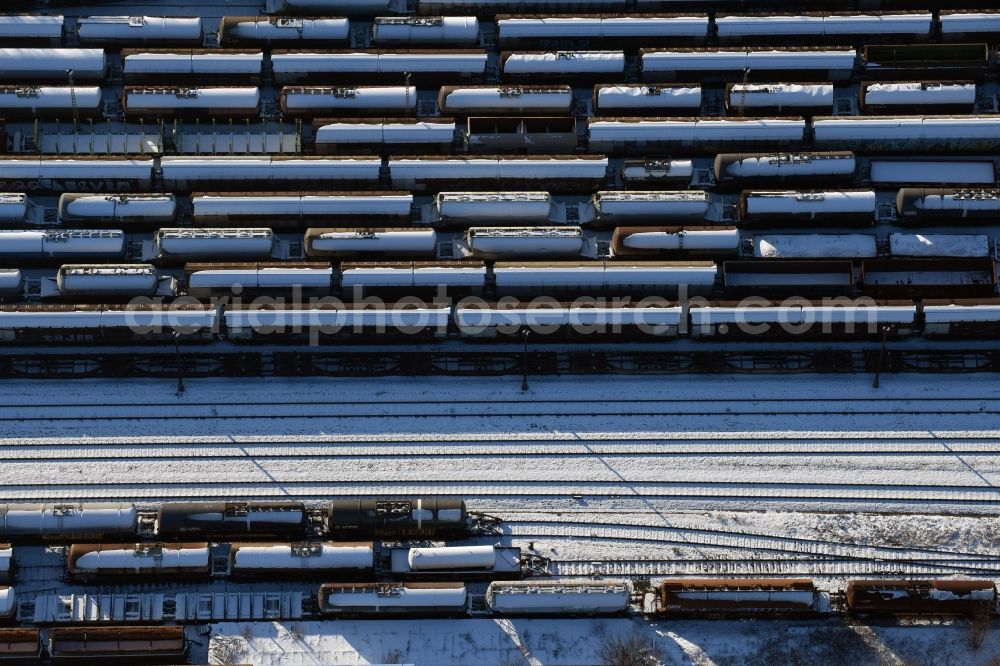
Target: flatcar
column 101, row 561
column 112, row 30
column 779, row 167
column 802, row 319
column 677, row 99
column 922, row 597
column 170, row 102
column 560, row 597
column 91, row 521
column 35, row 64
column 727, row 65
column 490, row 173
column 534, row 241
column 393, row 599
column 131, row 644
column 283, row 31
column 456, row 563
column 686, row 135
column 364, row 136
column 492, row 100
column 619, row 30
column 199, row 65
column 532, row 65
column 230, row 519
column 126, row 209
column 739, row 597
column 426, row 30
column 920, row 172
column 50, row 101
column 358, row 101
column 558, row 322
column 223, row 208
column 397, row 242
column 434, row 66
column 689, row 241
column 392, row 517
column 312, row 559
column 940, row 97
column 916, row 205
column 804, row 99
column 31, row 29
column 791, row 207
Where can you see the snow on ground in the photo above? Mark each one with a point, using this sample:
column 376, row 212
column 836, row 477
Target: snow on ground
column 580, row 642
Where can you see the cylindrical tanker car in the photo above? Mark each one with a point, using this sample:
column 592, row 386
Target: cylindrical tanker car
column 711, row 596
column 377, row 136
column 727, row 65
column 695, row 240
column 243, row 243
column 274, row 30
column 499, row 242
column 92, row 521
column 828, row 28
column 834, row 207
column 804, row 99
column 13, row 207
column 51, row 101
column 437, row 66
column 492, row 173
column 247, row 173
column 456, row 563
column 401, row 242
column 560, row 597
column 915, row 205
column 919, row 134
column 916, row 597
column 532, row 65
column 389, row 599
column 557, row 322
column 918, row 96
column 93, row 280
column 602, row 30
column 426, row 30
column 127, row 209
column 230, row 519
column 398, row 517
column 778, row 167
column 628, row 136
column 62, row 243
column 168, row 102
column 651, row 207
column 614, row 99
column 291, row 209
column 92, row 562
column 329, row 559
column 203, row 65
column 495, row 207
column 493, row 100
column 112, row 30
column 34, row 64
column 31, row 29
column 357, row 101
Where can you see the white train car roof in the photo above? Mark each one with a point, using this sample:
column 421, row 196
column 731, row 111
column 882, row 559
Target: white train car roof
column 125, row 29
column 406, row 241
column 957, row 22
column 554, row 98
column 932, row 172
column 478, row 168
column 926, row 128
column 25, row 26
column 295, row 64
column 564, row 62
column 408, row 317
column 40, row 63
column 283, row 29
column 249, row 205
column 645, row 170
column 375, row 597
column 35, row 168
column 595, row 27
column 755, row 60
column 13, row 206
column 696, row 130
column 912, row 24
column 42, row 98
column 491, row 317
column 956, row 312
column 765, row 95
column 210, row 168
column 118, row 206
column 66, row 518
column 640, row 96
column 599, row 275
column 60, row 242
column 426, row 30
column 706, row 315
column 403, row 98
column 230, row 98
column 413, row 276
column 785, row 164
column 241, row 63
column 559, row 596
column 709, row 239
column 939, row 245
column 279, row 556
column 765, row 202
column 919, row 93
column 260, row 278
column 109, row 318
column 10, row 279
column 815, row 246
column 369, row 7
column 386, row 132
column 186, row 556
column 978, row 200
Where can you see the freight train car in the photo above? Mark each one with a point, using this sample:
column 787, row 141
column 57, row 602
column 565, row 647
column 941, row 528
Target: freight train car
column 918, row 172
column 938, row 97
column 557, row 322
column 256, row 278
column 293, row 209
column 107, row 324
column 190, row 173
column 915, row 134
column 112, row 30
column 915, row 205
column 726, row 65
column 602, row 30
column 638, row 207
column 93, row 281
column 929, row 278
column 189, row 243
column 353, row 101
column 395, row 242
column 692, row 136
column 40, row 246
column 535, row 241
column 425, row 30
column 834, row 208
column 814, row 167
column 962, row 318
column 560, row 597
column 505, row 100
column 922, row 597
column 363, row 136
column 557, row 65
column 126, row 209
column 800, row 99
column 327, row 66
column 192, row 65
column 456, row 563
column 740, row 597
column 43, row 64
column 634, row 98
column 171, row 102
column 779, row 278
column 29, row 29
column 461, row 208
column 230, row 519
column 686, row 241
column 282, row 31
column 598, row 278
column 81, row 522
column 76, row 175
column 402, row 323
column 393, row 599
column 296, row 560
column 104, row 561
column 13, row 207
column 824, row 28
column 570, row 173
column 51, row 102
column 802, row 320
column 398, row 517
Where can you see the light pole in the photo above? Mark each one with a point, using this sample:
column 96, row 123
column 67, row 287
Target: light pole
column 177, row 350
column 524, row 364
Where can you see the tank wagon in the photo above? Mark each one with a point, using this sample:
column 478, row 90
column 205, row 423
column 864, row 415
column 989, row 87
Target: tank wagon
column 881, row 97
column 41, row 246
column 293, row 209
column 505, row 100
column 557, row 322
column 357, row 101
column 833, row 207
column 13, row 207
column 426, row 30
column 739, row 597
column 693, row 240
column 804, row 319
column 282, row 31
column 804, row 99
column 111, row 30
column 456, row 563
column 390, row 517
column 389, row 324
column 535, row 241
column 562, row 597
column 651, row 207
column 362, row 136
column 818, row 167
column 28, row 29
column 169, row 102
column 297, row 560
column 159, row 66
column 127, row 209
column 727, row 65
column 50, row 101
column 95, row 521
column 131, row 644
column 84, row 281
column 456, row 208
column 677, row 99
column 106, row 324
column 102, row 561
column 393, row 599
column 531, row 65
column 686, row 135
column 329, row 66
column 916, row 205
column 396, row 242
column 41, row 64
column 226, row 519
column 917, row 597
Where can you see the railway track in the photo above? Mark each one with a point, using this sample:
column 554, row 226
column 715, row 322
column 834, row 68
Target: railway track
column 640, row 569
